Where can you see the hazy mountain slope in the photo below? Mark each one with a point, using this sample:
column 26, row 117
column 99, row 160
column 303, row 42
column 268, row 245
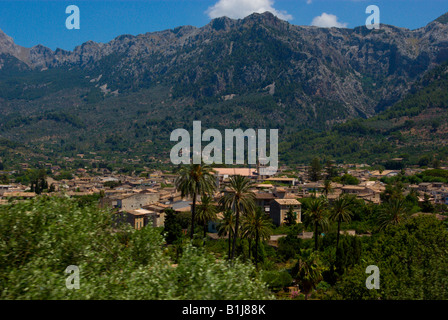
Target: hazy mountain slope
column 414, row 127
column 259, row 72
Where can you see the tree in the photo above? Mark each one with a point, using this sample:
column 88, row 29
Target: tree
column 4, row 179
column 227, row 226
column 412, row 260
column 317, row 213
column 427, row 205
column 392, row 192
column 115, row 261
column 256, row 226
column 206, row 212
column 424, row 161
column 348, row 179
column 172, row 228
column 315, row 169
column 308, row 271
column 393, row 212
column 350, row 250
column 276, row 280
column 195, row 180
column 330, row 170
column 436, row 163
column 340, row 211
column 240, row 199
column 291, row 217
column 327, row 188
column 38, row 181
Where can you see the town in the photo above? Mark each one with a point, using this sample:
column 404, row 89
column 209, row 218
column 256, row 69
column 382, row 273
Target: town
column 142, row 200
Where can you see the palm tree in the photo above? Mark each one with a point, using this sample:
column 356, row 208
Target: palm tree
column 227, row 226
column 206, row 212
column 240, row 199
column 393, row 213
column 340, row 211
column 317, row 212
column 195, row 180
column 308, row 271
column 327, row 189
column 256, row 226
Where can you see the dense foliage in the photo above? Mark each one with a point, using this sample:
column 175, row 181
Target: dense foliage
column 412, row 259
column 42, row 237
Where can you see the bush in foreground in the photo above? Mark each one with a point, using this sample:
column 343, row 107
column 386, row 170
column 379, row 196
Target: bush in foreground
column 40, row 238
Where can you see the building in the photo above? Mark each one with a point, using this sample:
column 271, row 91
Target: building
column 263, row 200
column 356, row 190
column 223, row 174
column 136, row 201
column 138, row 218
column 283, row 180
column 280, row 207
column 4, row 188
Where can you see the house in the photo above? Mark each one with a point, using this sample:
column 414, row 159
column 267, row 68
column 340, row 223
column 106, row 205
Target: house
column 19, row 195
column 4, row 188
column 224, row 173
column 283, row 180
column 279, row 192
column 280, row 207
column 140, row 218
column 263, row 200
column 440, row 195
column 137, row 200
column 158, row 213
column 354, row 189
column 424, row 186
column 137, row 218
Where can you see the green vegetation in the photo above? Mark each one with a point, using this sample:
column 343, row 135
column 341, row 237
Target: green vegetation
column 417, row 121
column 240, row 200
column 42, row 237
column 346, row 179
column 412, row 258
column 118, row 262
column 195, row 180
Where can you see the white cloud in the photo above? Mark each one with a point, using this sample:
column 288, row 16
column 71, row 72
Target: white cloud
column 237, row 9
column 309, row 1
column 326, row 20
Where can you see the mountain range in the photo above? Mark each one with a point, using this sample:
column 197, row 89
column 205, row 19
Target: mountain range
column 124, row 97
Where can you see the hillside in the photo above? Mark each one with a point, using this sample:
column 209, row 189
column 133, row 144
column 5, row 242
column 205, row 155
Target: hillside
column 412, row 128
column 123, row 98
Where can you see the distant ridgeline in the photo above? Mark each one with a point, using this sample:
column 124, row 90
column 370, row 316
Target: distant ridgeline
column 360, row 95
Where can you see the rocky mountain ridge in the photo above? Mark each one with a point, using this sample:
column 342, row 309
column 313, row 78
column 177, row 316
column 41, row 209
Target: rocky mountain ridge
column 259, row 71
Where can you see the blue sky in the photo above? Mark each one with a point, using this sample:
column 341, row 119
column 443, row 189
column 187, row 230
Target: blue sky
column 43, row 22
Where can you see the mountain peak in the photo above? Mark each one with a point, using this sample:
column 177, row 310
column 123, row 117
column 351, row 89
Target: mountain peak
column 443, row 18
column 221, row 23
column 224, row 22
column 265, row 16
column 5, row 38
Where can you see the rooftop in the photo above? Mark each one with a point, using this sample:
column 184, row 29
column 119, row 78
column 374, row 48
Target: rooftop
column 287, row 202
column 246, row 172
